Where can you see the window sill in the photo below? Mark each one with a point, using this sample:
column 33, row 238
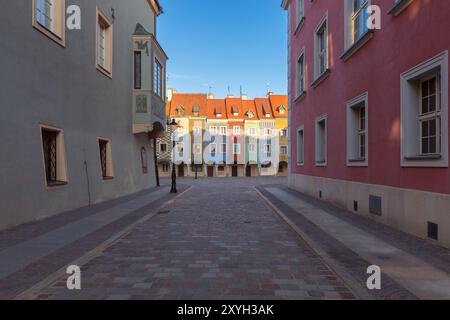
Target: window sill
column 357, row 160
column 300, row 25
column 108, row 178
column 357, row 45
column 424, row 157
column 300, row 97
column 104, row 71
column 49, row 34
column 398, row 7
column 55, row 184
column 321, row 163
column 321, row 78
column 300, row 164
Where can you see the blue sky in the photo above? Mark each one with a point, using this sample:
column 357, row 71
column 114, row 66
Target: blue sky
column 225, row 43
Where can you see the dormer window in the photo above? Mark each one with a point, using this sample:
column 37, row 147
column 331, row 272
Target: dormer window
column 282, row 110
column 180, row 110
column 196, row 110
column 235, row 111
column 250, row 115
column 218, row 114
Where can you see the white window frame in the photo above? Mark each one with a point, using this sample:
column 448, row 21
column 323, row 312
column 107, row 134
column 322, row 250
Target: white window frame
column 300, row 74
column 267, row 150
column 197, row 130
column 410, row 109
column 223, row 148
column 284, row 147
column 236, row 148
column 252, row 147
column 236, row 130
column 321, row 162
column 355, row 132
column 213, row 130
column 213, row 146
column 300, row 12
column 324, row 53
column 223, row 131
column 197, row 148
column 179, row 148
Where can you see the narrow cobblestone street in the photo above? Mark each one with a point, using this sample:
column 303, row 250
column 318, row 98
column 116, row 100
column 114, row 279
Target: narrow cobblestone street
column 217, row 241
column 232, row 239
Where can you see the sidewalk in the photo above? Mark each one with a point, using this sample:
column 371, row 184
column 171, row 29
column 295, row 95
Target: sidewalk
column 411, row 268
column 33, row 251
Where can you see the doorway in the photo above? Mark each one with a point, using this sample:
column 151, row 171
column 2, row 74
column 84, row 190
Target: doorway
column 234, row 171
column 181, row 170
column 210, row 171
column 248, row 171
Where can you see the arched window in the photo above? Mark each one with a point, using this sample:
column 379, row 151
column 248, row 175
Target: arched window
column 144, row 160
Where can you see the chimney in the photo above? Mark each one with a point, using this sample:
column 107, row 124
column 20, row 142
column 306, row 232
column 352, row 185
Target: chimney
column 170, row 93
column 244, row 96
column 269, row 94
column 230, row 95
column 210, row 96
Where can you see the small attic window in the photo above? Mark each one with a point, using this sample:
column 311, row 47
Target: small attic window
column 250, row 115
column 235, row 111
column 218, row 114
column 282, row 110
column 180, row 110
column 196, row 109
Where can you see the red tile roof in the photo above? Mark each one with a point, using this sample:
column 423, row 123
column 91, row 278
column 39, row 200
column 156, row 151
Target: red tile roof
column 249, row 107
column 278, row 102
column 190, row 103
column 216, row 107
column 234, row 106
column 210, row 108
column 263, row 108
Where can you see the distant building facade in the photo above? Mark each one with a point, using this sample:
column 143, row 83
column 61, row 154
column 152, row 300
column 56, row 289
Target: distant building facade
column 81, row 109
column 227, row 137
column 369, row 110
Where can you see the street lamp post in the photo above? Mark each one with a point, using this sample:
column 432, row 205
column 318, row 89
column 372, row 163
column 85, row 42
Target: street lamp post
column 173, row 126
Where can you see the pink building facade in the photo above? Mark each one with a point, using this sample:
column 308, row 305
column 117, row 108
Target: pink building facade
column 368, row 111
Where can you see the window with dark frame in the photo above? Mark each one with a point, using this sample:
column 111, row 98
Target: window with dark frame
column 103, row 146
column 157, row 81
column 49, row 144
column 163, row 147
column 138, row 70
column 144, row 160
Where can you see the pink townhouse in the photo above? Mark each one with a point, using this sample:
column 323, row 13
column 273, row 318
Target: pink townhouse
column 368, row 109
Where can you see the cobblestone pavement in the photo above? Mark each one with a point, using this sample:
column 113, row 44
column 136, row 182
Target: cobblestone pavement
column 218, row 240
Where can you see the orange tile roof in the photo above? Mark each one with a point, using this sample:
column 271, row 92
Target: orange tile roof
column 277, row 102
column 248, row 107
column 234, row 105
column 263, row 108
column 210, row 108
column 216, row 107
column 190, row 103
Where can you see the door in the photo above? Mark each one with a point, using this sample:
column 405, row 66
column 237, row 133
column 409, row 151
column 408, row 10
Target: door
column 181, row 170
column 249, row 171
column 235, row 171
column 210, row 171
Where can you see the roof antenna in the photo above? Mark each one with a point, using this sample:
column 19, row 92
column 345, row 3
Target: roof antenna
column 229, row 90
column 268, row 87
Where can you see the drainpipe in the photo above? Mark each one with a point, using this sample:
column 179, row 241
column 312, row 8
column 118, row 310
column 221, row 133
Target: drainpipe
column 155, row 159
